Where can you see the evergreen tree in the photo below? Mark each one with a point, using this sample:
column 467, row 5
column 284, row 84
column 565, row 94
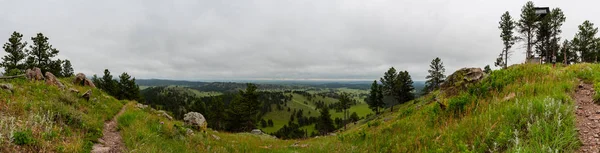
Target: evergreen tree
column 127, row 89
column 584, row 42
column 436, row 75
column 390, row 85
column 270, row 122
column 324, row 124
column 405, row 84
column 487, row 69
column 345, row 102
column 67, row 70
column 40, row 55
column 375, row 99
column 244, row 109
column 97, row 81
column 556, row 22
column 566, row 54
column 507, row 25
column 543, row 37
column 15, row 54
column 55, row 67
column 216, row 115
column 527, row 26
column 109, row 85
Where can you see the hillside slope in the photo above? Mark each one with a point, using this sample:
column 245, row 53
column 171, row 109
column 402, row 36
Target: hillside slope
column 484, row 118
column 36, row 117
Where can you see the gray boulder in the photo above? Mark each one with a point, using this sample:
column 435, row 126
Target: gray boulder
column 195, row 120
column 34, row 74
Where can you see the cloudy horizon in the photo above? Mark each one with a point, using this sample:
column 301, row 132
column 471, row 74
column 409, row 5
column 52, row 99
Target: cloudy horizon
column 273, row 40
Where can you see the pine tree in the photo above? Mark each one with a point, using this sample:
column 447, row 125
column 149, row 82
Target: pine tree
column 405, row 85
column 566, row 54
column 375, row 99
column 390, row 85
column 436, row 75
column 109, row 85
column 15, row 54
column 527, row 26
column 324, row 124
column 543, row 38
column 557, row 19
column 345, row 102
column 40, row 55
column 487, row 69
column 584, row 42
column 507, row 25
column 244, row 109
column 67, row 70
column 126, row 88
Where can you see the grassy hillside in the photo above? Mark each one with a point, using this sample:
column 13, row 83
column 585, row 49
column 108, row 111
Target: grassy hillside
column 539, row 119
column 282, row 117
column 36, row 117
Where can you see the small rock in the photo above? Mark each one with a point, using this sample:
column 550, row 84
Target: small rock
column 216, row 137
column 73, row 90
column 585, row 131
column 141, row 106
column 163, row 113
column 580, row 86
column 509, row 96
column 596, row 136
column 162, row 122
column 87, row 95
column 189, row 131
column 7, row 86
column 257, row 132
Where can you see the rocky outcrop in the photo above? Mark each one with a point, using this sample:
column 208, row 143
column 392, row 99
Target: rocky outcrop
column 52, row 80
column 88, row 82
column 80, row 79
column 195, row 120
column 461, row 79
column 34, row 74
column 87, row 95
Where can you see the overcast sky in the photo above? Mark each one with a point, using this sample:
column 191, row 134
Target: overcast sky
column 278, row 39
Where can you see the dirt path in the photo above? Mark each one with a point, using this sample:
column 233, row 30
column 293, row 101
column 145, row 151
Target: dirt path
column 111, row 141
column 588, row 118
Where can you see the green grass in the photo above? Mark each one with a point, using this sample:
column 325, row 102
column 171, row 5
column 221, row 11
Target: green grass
column 42, row 118
column 539, row 119
column 282, row 117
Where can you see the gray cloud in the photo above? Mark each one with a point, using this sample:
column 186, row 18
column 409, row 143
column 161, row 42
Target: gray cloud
column 343, row 39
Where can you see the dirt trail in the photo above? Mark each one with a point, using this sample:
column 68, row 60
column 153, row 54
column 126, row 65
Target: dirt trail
column 111, row 141
column 588, row 118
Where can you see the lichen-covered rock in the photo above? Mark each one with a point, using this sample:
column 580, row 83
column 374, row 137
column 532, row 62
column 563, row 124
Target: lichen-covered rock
column 34, row 74
column 88, row 82
column 73, row 90
column 52, row 80
column 461, row 79
column 195, row 120
column 79, row 77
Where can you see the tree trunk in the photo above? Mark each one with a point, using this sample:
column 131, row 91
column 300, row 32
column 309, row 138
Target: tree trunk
column 12, row 77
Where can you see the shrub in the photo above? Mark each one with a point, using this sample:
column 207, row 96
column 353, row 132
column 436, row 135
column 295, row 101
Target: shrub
column 457, row 104
column 23, row 137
